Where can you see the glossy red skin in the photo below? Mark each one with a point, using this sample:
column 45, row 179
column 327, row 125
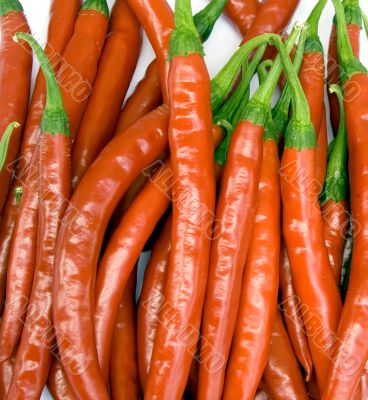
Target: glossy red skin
column 312, row 275
column 335, row 223
column 333, row 69
column 236, row 206
column 95, row 199
column 191, row 151
column 312, row 79
column 21, row 263
column 124, row 377
column 157, row 20
column 256, row 315
column 282, row 374
column 146, row 96
column 81, row 56
column 272, row 17
column 321, row 151
column 243, row 13
column 115, row 70
column 150, row 300
column 121, row 255
column 294, row 323
column 33, row 355
column 62, row 19
column 15, row 80
column 351, row 350
column 57, row 383
column 6, row 373
column 364, row 383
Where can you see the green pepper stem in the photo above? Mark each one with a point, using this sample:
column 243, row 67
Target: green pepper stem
column 315, row 17
column 7, row 6
column 4, row 142
column 205, row 20
column 336, row 184
column 185, row 39
column 54, row 119
column 223, row 82
column 263, row 69
column 280, row 113
column 365, row 22
column 97, row 5
column 353, row 12
column 349, row 64
column 18, row 194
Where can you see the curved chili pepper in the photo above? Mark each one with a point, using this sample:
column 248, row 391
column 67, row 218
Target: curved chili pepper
column 354, row 24
column 6, row 374
column 259, row 287
column 272, row 17
column 243, row 13
column 282, row 374
column 312, row 72
column 78, row 67
column 124, row 377
column 236, row 206
column 151, row 298
column 106, row 180
column 15, row 80
column 302, row 222
column 62, row 19
column 322, row 150
column 124, row 249
column 147, row 96
column 115, row 70
column 57, row 383
column 351, row 347
column 23, row 248
column 54, row 189
column 334, row 196
column 194, row 184
column 292, row 315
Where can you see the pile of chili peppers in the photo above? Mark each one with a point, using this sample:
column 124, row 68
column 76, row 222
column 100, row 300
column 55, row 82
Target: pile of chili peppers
column 256, row 226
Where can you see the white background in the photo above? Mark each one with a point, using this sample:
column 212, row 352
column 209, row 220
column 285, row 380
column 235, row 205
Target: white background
column 220, row 46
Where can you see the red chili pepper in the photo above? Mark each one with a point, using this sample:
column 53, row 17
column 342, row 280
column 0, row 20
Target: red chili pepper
column 115, row 70
column 322, row 150
column 124, row 377
column 151, row 299
column 351, row 347
column 62, row 19
column 21, row 268
column 302, row 222
column 15, row 80
column 78, row 67
column 282, row 374
column 272, row 17
column 106, row 180
column 147, row 96
column 191, row 151
column 57, row 383
column 236, row 206
column 312, row 71
column 335, row 196
column 34, row 352
column 292, row 315
column 6, row 374
column 243, row 13
column 250, row 344
column 353, row 24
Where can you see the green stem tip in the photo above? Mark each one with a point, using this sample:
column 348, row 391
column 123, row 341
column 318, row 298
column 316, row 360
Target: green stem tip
column 4, row 142
column 205, row 20
column 7, row 6
column 18, row 194
column 54, row 118
column 365, row 23
column 96, row 5
column 185, row 39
